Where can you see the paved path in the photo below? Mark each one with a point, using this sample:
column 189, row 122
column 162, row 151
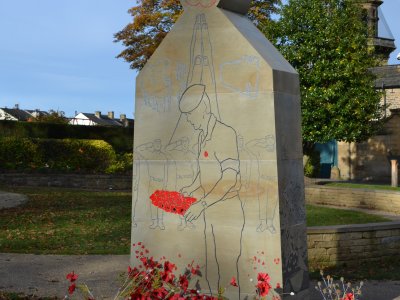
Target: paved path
column 44, row 275
column 8, row 200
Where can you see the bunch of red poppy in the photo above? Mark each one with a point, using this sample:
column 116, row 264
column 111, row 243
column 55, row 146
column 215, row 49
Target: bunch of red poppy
column 171, row 201
column 72, row 277
column 152, row 279
column 348, row 296
column 263, row 285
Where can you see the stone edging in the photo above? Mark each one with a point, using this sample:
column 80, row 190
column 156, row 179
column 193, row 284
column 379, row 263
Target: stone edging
column 352, row 244
column 382, row 200
column 79, row 181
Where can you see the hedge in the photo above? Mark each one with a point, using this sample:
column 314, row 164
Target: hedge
column 120, row 138
column 72, row 155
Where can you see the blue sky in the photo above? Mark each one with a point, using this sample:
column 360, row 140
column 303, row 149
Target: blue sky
column 61, row 55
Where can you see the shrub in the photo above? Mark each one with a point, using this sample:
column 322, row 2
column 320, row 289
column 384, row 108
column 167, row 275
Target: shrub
column 312, row 164
column 19, row 153
column 122, row 164
column 120, row 138
column 76, row 155
column 60, row 155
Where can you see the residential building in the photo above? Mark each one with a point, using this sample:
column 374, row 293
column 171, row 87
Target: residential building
column 14, row 114
column 97, row 119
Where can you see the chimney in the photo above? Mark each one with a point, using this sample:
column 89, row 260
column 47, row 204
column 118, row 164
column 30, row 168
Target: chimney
column 97, row 114
column 124, row 121
column 16, row 106
column 111, row 115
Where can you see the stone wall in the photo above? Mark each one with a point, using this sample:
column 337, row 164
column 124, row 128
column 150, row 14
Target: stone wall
column 352, row 244
column 79, row 181
column 354, row 198
column 392, row 99
column 370, row 160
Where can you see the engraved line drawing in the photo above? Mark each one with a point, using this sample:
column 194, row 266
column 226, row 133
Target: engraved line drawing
column 201, row 70
column 135, row 188
column 222, row 160
column 180, row 150
column 247, row 65
column 202, row 62
column 267, row 200
column 181, row 72
column 158, row 103
column 158, row 176
column 201, row 3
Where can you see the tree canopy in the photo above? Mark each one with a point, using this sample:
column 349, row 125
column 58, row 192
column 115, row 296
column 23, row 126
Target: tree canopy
column 55, row 117
column 153, row 19
column 326, row 42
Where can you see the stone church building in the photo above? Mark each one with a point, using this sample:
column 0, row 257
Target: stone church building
column 370, row 160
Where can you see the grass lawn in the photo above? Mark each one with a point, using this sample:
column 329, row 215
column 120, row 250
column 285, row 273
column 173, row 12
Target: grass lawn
column 385, row 269
column 325, row 216
column 363, row 186
column 60, row 221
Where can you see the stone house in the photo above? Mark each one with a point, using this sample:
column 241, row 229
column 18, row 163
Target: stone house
column 370, row 160
column 97, row 119
column 17, row 114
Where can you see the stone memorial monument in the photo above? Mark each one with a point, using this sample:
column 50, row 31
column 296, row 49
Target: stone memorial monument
column 218, row 174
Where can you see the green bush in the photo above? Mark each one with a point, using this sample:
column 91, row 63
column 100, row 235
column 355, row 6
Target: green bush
column 61, row 155
column 120, row 138
column 122, row 164
column 76, row 155
column 19, row 153
column 312, row 166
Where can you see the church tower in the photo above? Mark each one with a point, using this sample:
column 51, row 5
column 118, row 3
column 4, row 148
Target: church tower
column 380, row 36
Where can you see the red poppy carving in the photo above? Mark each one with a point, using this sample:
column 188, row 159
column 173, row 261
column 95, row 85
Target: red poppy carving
column 171, row 201
column 202, row 3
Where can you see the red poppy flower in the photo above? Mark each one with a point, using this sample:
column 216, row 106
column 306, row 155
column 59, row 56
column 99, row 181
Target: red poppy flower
column 72, row 276
column 169, row 267
column 183, row 282
column 71, row 288
column 233, row 282
column 263, row 288
column 171, row 201
column 263, row 285
column 263, row 277
column 205, row 154
column 349, row 296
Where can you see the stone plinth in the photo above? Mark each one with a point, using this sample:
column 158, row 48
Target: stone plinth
column 218, row 120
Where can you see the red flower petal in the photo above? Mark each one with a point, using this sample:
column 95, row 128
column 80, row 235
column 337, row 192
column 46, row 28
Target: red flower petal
column 72, row 276
column 233, row 282
column 171, row 201
column 71, row 288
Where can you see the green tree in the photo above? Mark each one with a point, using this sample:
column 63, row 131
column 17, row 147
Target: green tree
column 57, row 117
column 153, row 19
column 326, row 42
